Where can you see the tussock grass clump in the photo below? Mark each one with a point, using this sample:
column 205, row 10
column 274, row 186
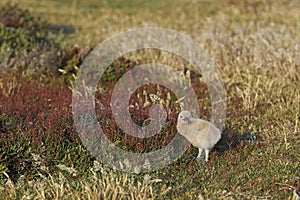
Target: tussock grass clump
column 27, row 45
column 19, row 32
column 11, row 15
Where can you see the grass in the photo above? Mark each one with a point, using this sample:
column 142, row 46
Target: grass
column 255, row 45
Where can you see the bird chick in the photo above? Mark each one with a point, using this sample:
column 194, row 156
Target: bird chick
column 201, row 133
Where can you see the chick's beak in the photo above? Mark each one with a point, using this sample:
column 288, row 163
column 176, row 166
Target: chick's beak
column 186, row 120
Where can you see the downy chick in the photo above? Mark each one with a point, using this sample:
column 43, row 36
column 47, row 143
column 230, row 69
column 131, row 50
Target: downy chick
column 201, row 133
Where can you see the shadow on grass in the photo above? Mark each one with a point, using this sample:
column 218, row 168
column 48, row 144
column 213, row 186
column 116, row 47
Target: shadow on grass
column 66, row 29
column 231, row 139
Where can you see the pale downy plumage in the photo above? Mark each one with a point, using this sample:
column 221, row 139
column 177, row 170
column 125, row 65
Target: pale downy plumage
column 202, row 134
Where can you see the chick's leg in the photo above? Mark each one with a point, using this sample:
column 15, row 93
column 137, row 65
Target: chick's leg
column 199, row 153
column 206, row 154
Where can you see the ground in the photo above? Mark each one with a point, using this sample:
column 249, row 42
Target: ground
column 255, row 46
